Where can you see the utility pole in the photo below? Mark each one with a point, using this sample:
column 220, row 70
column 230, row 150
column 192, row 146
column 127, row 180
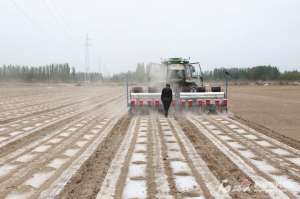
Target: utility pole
column 87, row 56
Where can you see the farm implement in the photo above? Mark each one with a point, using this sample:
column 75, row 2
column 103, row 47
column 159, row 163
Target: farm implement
column 189, row 92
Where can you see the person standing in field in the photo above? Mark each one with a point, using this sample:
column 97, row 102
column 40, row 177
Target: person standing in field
column 166, row 98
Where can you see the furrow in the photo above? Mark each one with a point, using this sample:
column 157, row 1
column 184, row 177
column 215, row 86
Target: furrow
column 109, row 184
column 65, row 156
column 279, row 157
column 13, row 136
column 238, row 155
column 213, row 185
column 182, row 179
column 275, row 143
column 58, row 185
column 134, row 184
column 162, row 185
column 15, row 115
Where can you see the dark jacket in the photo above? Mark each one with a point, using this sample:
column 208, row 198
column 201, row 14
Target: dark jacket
column 166, row 94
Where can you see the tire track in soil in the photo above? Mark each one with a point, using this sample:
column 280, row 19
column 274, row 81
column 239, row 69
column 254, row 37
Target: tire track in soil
column 88, row 180
column 221, row 166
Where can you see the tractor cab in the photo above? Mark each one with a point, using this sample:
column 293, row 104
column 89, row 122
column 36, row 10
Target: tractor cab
column 181, row 73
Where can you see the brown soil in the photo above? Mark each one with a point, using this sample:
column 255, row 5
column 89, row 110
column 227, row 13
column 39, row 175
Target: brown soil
column 151, row 185
column 275, row 107
column 225, row 170
column 88, row 180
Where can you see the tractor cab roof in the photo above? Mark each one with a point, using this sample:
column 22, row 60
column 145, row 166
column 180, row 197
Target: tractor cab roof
column 176, row 60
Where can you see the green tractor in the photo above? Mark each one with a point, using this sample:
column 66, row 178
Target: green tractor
column 186, row 80
column 182, row 75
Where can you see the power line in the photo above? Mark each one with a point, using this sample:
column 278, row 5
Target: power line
column 56, row 20
column 26, row 15
column 36, row 23
column 60, row 15
column 50, row 12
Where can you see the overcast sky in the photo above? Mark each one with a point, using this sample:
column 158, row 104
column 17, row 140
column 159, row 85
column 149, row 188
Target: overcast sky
column 228, row 33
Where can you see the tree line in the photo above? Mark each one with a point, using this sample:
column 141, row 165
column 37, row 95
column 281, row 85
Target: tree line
column 65, row 73
column 263, row 73
column 48, row 73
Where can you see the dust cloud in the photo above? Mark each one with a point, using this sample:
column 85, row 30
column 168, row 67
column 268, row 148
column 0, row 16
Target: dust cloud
column 157, row 75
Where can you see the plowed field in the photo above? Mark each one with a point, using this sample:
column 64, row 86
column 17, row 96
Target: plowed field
column 79, row 142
